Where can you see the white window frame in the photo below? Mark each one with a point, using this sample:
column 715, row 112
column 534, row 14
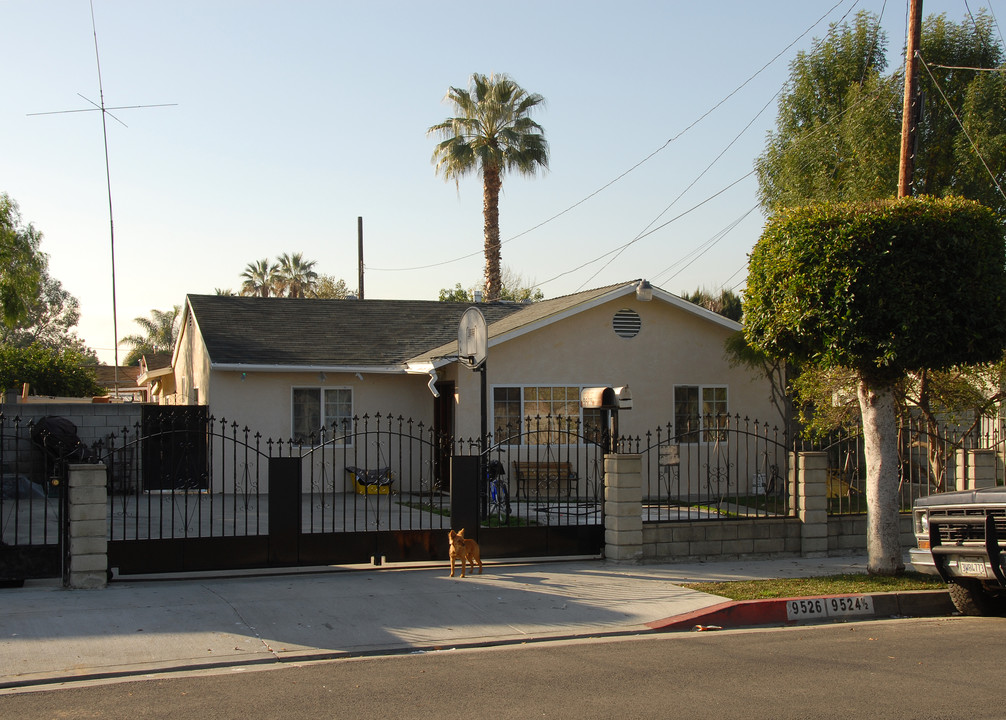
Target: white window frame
column 523, row 388
column 322, row 419
column 702, row 434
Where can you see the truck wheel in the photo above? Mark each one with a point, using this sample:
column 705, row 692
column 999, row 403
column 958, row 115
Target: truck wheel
column 970, row 598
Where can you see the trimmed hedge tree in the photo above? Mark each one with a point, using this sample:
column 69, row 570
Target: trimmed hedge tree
column 884, row 289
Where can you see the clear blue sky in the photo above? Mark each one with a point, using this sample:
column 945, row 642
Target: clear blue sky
column 294, row 118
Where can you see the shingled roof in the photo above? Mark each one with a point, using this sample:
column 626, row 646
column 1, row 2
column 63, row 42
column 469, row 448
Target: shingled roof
column 289, row 332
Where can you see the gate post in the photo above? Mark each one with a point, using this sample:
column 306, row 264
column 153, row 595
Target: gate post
column 812, row 496
column 976, row 468
column 465, row 510
column 284, row 509
column 87, row 498
column 623, row 508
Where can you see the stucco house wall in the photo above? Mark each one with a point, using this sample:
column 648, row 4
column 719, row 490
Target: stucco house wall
column 673, row 347
column 264, row 400
column 191, row 384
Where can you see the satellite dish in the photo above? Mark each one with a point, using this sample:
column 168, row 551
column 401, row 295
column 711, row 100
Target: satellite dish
column 473, row 338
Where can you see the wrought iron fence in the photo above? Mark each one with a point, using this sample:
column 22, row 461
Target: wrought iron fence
column 740, row 471
column 933, row 457
column 382, row 472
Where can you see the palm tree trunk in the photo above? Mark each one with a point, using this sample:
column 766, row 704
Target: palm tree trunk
column 880, row 442
column 491, row 213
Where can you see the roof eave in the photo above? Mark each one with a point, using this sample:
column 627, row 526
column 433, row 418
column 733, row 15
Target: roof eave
column 250, row 367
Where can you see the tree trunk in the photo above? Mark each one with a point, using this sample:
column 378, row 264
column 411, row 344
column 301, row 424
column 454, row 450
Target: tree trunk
column 491, row 213
column 880, row 440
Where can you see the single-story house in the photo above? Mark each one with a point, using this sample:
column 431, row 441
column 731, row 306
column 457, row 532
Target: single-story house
column 155, row 375
column 286, row 367
column 121, row 382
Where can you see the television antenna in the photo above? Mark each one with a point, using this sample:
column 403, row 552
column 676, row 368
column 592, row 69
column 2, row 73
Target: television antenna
column 108, row 177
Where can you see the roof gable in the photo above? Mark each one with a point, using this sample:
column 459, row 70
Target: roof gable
column 543, row 313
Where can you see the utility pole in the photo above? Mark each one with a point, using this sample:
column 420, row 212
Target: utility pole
column 359, row 246
column 909, row 115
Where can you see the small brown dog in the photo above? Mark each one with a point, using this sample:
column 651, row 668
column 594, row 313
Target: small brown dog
column 463, row 549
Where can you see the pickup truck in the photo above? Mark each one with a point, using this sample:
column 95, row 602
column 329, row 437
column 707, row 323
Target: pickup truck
column 961, row 537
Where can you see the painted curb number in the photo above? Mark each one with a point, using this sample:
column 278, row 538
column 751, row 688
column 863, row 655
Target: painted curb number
column 829, row 607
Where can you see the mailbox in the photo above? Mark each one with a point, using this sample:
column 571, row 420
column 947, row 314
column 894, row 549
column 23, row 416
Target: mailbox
column 606, row 398
column 609, row 400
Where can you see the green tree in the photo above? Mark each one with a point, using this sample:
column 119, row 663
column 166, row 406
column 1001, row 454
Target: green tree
column 48, row 371
column 49, row 321
column 295, row 276
column 727, row 303
column 456, row 294
column 21, row 263
column 491, row 134
column 882, row 289
column 946, row 162
column 259, row 278
column 327, row 287
column 160, row 332
column 837, row 135
column 514, row 288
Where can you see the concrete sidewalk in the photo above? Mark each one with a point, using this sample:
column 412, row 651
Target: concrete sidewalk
column 141, row 626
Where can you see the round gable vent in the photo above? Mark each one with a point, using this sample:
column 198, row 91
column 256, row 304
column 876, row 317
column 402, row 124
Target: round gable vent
column 626, row 323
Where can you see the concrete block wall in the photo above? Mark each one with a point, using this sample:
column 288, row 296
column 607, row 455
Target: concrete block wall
column 94, row 421
column 695, row 541
column 847, row 534
column 811, row 533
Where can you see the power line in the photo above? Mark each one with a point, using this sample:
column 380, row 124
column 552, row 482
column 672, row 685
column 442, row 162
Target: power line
column 998, row 27
column 963, row 129
column 647, row 234
column 619, row 250
column 689, row 186
column 975, row 69
column 641, row 162
column 736, row 272
column 703, row 249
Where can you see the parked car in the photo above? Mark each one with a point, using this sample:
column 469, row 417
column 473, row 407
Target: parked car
column 961, row 537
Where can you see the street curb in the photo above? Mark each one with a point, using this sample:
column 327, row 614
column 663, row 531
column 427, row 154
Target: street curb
column 752, row 613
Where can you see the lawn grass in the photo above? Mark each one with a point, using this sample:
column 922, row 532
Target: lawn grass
column 844, row 584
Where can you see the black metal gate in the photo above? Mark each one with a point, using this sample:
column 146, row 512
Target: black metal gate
column 370, row 490
column 33, row 517
column 541, row 490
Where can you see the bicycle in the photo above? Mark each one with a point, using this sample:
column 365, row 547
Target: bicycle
column 499, row 495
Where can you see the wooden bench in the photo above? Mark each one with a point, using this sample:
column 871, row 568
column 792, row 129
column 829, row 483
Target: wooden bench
column 547, row 478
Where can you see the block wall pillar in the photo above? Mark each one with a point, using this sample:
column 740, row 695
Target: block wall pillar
column 623, row 508
column 88, row 536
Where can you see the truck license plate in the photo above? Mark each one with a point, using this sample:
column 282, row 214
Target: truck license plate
column 971, row 568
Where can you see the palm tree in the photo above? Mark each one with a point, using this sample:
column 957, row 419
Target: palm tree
column 259, row 278
column 160, row 333
column 491, row 134
column 295, row 276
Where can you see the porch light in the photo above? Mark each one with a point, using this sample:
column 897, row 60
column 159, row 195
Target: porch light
column 644, row 291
